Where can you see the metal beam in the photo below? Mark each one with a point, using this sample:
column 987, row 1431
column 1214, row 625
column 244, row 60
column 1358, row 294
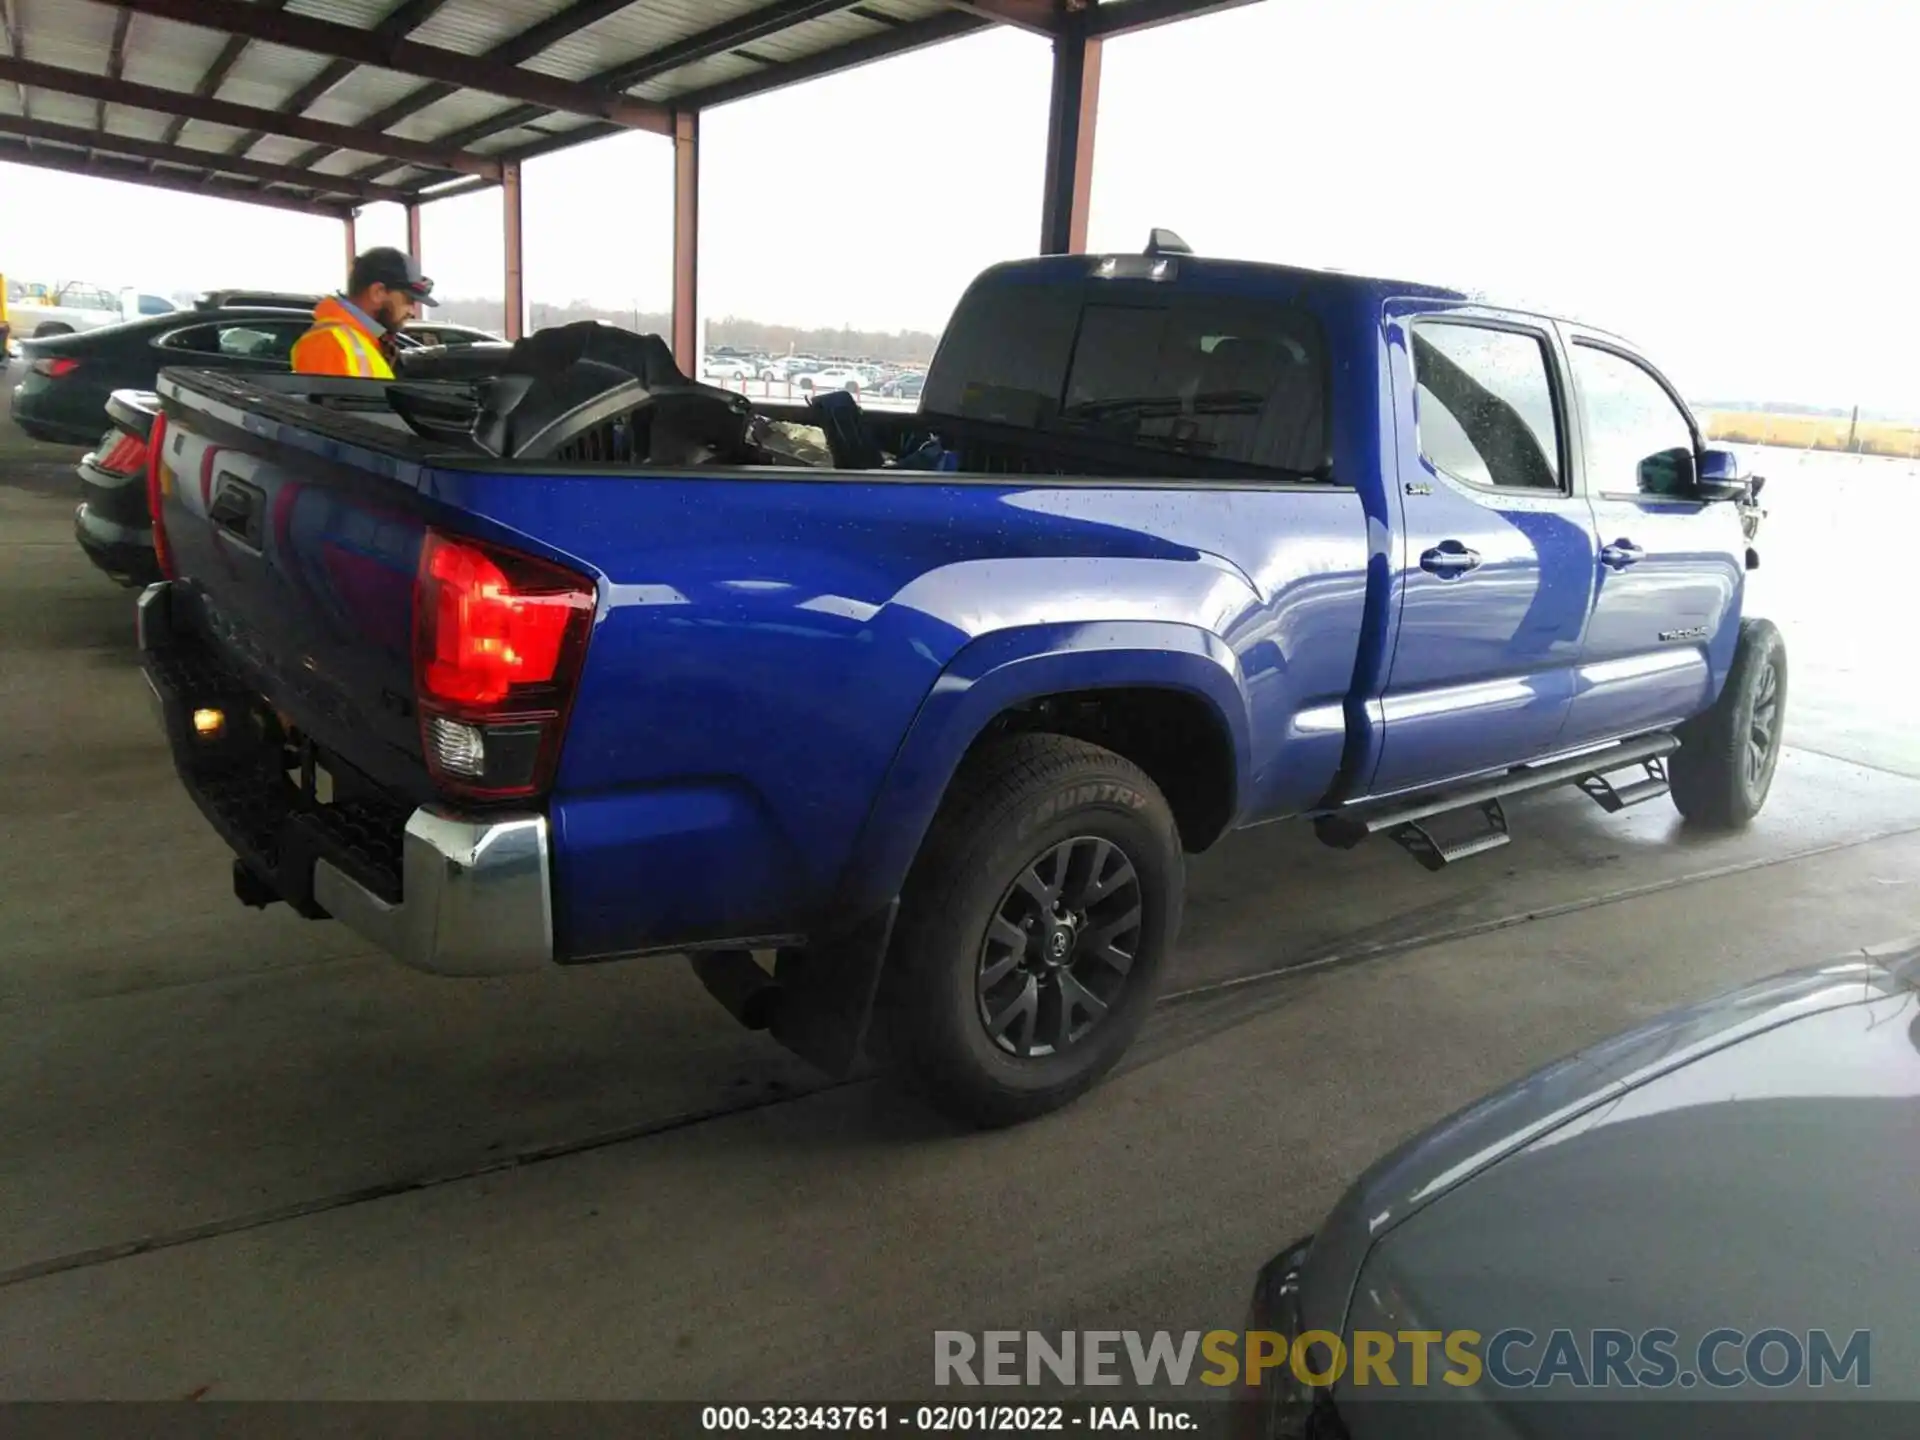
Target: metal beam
column 216, row 73
column 428, row 62
column 686, row 241
column 511, row 51
column 452, row 192
column 1072, row 107
column 1037, row 16
column 155, row 151
column 297, row 103
column 135, row 173
column 914, row 35
column 512, row 234
column 1124, row 17
column 16, row 47
column 413, row 230
column 402, row 21
column 715, row 40
column 116, row 63
column 225, row 112
column 353, row 248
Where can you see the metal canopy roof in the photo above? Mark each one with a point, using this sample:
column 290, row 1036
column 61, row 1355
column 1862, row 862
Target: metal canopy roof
column 323, row 105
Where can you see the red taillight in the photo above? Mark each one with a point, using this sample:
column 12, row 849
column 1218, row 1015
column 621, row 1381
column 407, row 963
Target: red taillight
column 498, row 641
column 54, row 369
column 159, row 486
column 128, row 456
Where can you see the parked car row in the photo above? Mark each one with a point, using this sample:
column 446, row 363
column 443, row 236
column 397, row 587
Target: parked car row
column 809, row 374
column 65, row 398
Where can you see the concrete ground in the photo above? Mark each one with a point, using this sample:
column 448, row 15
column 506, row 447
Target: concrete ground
column 243, row 1157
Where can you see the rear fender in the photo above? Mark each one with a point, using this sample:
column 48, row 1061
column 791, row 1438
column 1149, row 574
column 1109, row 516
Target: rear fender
column 1003, row 670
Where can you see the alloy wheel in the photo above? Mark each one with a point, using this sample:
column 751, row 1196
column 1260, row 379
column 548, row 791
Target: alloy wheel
column 1059, row 947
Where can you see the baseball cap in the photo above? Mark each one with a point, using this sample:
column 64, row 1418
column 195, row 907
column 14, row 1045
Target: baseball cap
column 384, row 265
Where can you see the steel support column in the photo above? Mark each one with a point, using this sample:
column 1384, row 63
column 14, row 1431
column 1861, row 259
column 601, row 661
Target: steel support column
column 686, row 241
column 510, row 214
column 413, row 234
column 1071, row 112
column 353, row 250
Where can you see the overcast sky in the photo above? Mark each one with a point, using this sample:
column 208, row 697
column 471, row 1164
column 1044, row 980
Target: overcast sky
column 1731, row 182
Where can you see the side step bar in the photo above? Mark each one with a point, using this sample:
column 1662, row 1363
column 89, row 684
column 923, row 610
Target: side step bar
column 1405, row 820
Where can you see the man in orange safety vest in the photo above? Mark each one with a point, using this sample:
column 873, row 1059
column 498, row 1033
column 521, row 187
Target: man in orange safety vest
column 352, row 331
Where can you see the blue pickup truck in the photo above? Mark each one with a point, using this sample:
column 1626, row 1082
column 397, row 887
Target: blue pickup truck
column 900, row 725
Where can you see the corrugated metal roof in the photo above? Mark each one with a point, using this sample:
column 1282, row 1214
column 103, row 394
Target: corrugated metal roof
column 199, row 135
column 638, row 30
column 361, row 14
column 475, row 26
column 140, row 124
column 267, row 76
column 697, row 76
column 361, row 93
column 63, row 33
column 456, row 112
column 61, row 109
column 278, row 149
column 169, row 55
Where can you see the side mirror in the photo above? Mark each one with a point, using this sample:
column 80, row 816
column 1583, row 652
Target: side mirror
column 1719, row 477
column 1669, row 473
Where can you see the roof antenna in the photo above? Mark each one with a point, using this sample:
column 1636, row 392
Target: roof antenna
column 1165, row 242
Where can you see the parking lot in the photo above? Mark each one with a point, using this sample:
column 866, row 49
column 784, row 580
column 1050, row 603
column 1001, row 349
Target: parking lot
column 244, row 1157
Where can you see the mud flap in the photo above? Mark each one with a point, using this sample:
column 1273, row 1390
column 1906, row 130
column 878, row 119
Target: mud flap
column 827, row 994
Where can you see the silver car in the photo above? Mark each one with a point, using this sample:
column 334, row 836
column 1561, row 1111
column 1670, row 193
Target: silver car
column 1720, row 1206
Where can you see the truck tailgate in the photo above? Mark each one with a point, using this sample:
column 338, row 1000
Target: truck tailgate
column 300, row 568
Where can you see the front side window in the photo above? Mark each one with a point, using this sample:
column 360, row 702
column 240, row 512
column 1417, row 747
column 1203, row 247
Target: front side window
column 1638, row 439
column 1484, row 406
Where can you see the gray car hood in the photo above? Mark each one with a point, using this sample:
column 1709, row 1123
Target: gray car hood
column 1750, row 1162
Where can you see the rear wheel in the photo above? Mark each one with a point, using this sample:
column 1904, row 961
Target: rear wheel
column 1033, row 930
column 1724, row 768
column 51, row 328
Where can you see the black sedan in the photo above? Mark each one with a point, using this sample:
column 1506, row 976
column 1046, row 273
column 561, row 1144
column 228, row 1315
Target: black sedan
column 69, row 377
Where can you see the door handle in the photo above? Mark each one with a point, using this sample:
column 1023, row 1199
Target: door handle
column 1449, row 559
column 236, row 510
column 1621, row 554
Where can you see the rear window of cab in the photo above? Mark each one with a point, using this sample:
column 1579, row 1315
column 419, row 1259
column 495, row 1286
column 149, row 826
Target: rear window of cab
column 1241, row 379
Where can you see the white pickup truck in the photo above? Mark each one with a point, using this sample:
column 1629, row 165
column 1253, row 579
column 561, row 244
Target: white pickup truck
column 63, row 309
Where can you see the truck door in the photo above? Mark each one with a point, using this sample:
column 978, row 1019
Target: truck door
column 1497, row 566
column 1671, row 568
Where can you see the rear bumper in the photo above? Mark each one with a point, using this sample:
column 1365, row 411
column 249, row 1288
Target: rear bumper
column 442, row 892
column 475, row 896
column 123, row 552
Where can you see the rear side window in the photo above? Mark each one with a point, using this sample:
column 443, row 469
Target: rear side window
column 1485, row 406
column 261, row 341
column 266, row 340
column 1237, row 379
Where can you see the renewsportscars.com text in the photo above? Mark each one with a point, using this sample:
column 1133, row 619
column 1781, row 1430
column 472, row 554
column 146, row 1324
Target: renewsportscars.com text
column 1720, row 1359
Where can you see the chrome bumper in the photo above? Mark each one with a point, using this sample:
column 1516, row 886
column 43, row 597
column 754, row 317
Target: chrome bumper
column 478, row 896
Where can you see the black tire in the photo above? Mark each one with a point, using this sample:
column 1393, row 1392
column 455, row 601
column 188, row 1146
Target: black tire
column 1724, row 768
column 1021, row 804
column 48, row 329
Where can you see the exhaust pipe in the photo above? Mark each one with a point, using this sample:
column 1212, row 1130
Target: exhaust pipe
column 735, row 979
